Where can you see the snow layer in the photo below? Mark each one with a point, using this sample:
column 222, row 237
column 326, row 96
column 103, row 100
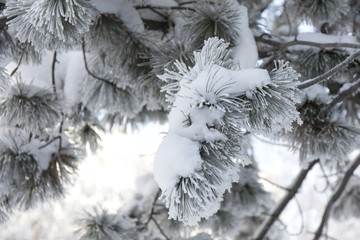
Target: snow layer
column 245, row 50
column 322, row 38
column 124, row 9
column 177, row 157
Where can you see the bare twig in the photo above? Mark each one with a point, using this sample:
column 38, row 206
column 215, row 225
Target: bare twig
column 88, row 70
column 287, row 18
column 275, row 184
column 185, row 3
column 53, row 73
column 340, row 97
column 301, row 215
column 272, row 143
column 160, row 229
column 19, row 63
column 328, row 184
column 335, row 197
column 266, row 225
column 157, row 195
column 326, row 75
column 164, row 7
column 49, row 142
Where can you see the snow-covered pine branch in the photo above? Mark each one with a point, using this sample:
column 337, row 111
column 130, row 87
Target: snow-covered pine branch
column 212, row 101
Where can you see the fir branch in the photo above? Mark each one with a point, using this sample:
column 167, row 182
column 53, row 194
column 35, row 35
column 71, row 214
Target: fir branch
column 279, row 44
column 340, row 97
column 327, row 74
column 266, row 225
column 335, row 197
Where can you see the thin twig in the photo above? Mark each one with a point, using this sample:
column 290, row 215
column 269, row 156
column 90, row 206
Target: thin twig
column 157, row 195
column 326, row 179
column 326, row 75
column 158, row 13
column 272, row 143
column 301, row 215
column 53, row 73
column 164, row 7
column 275, row 184
column 185, row 3
column 19, row 63
column 335, row 197
column 160, row 229
column 287, row 18
column 340, row 97
column 88, row 70
column 49, row 142
column 266, row 225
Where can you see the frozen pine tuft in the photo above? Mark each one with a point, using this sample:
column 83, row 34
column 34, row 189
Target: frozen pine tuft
column 33, row 169
column 50, row 23
column 100, row 224
column 328, row 138
column 273, row 106
column 29, row 107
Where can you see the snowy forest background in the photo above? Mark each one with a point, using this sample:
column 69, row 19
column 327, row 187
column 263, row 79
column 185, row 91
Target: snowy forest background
column 131, row 119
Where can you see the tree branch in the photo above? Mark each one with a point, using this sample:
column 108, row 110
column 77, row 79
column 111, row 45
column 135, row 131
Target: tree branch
column 326, row 75
column 335, row 197
column 266, row 225
column 295, row 42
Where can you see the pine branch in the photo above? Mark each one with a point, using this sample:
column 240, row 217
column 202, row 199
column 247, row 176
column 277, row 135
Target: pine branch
column 335, row 197
column 327, row 74
column 295, row 42
column 266, row 225
column 340, row 97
